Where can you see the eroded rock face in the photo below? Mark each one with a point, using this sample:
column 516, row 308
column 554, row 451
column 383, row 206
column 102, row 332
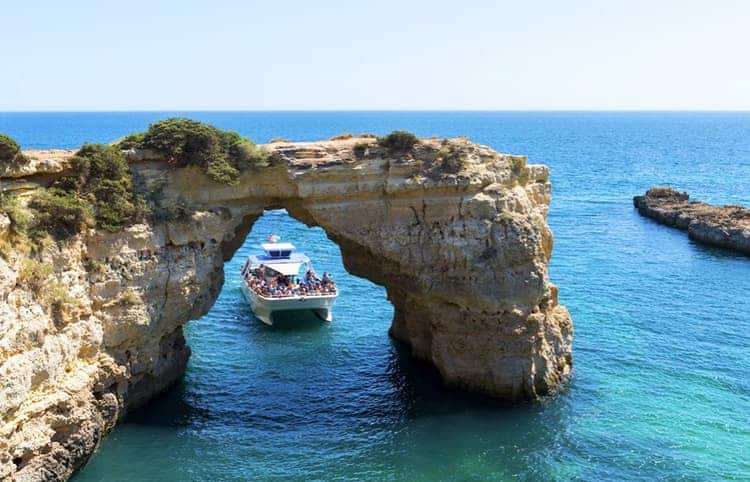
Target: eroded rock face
column 722, row 226
column 461, row 247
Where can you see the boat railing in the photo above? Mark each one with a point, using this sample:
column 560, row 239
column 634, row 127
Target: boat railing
column 260, row 286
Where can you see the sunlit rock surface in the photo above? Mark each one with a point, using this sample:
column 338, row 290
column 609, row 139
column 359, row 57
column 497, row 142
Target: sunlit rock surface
column 722, row 226
column 459, row 241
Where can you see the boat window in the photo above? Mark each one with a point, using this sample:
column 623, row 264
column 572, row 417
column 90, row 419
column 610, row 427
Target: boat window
column 279, row 253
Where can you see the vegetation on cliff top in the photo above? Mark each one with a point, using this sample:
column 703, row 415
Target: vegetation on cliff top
column 101, row 176
column 8, row 148
column 221, row 154
column 59, row 213
column 10, row 151
column 97, row 192
column 429, row 161
column 450, row 159
column 10, row 205
column 398, row 142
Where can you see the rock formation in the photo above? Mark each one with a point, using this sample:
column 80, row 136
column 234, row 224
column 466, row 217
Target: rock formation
column 722, row 226
column 455, row 232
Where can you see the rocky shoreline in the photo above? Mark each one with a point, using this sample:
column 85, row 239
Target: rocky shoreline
column 722, row 226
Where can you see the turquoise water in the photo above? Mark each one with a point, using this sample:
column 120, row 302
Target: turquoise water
column 661, row 387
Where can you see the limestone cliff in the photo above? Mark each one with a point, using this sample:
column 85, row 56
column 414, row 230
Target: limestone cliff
column 722, row 226
column 456, row 233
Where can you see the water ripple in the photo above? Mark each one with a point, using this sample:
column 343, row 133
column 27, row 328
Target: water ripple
column 662, row 344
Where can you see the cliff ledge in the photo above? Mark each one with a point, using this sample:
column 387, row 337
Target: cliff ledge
column 92, row 327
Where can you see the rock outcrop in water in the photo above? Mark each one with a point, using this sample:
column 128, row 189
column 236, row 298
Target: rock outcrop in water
column 722, row 226
column 455, row 232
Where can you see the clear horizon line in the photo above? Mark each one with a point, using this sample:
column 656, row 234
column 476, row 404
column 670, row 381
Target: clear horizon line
column 104, row 111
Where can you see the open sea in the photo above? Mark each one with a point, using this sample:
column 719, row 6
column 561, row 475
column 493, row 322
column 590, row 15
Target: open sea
column 661, row 384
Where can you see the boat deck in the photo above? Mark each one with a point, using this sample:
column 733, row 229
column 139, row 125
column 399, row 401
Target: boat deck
column 279, row 288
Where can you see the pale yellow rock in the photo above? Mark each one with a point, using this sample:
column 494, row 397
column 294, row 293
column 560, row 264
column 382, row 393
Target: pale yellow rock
column 38, row 163
column 4, row 226
column 462, row 251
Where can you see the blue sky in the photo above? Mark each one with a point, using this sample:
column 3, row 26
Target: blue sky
column 341, row 55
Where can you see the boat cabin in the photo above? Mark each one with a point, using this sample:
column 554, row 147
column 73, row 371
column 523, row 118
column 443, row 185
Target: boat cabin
column 277, row 257
column 271, row 285
column 278, row 250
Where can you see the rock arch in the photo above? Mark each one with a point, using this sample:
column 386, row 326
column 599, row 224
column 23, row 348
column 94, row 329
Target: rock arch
column 461, row 247
column 463, row 256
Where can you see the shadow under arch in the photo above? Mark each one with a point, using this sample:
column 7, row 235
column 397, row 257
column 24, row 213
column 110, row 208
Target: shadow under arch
column 467, row 279
column 234, row 354
column 324, row 254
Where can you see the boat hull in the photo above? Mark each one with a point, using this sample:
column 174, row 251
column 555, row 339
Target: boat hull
column 264, row 308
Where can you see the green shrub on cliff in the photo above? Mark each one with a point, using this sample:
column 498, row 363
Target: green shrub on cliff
column 10, row 151
column 95, row 163
column 222, row 171
column 59, row 213
column 19, row 217
column 398, row 142
column 8, row 148
column 99, row 190
column 116, row 206
column 245, row 154
column 133, row 141
column 222, row 155
column 184, row 142
column 102, row 178
column 450, row 159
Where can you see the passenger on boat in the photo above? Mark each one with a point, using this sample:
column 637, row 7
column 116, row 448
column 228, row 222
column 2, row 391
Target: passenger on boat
column 284, row 286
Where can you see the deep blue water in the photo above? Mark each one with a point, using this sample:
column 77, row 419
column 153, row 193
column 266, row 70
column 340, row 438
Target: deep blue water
column 661, row 387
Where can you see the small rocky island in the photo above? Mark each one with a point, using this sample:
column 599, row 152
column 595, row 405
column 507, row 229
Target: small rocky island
column 722, row 226
column 107, row 251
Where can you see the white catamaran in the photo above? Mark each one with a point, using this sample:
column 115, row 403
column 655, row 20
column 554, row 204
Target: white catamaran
column 271, row 282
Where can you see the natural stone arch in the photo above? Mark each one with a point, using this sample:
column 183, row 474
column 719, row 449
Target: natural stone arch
column 463, row 257
column 456, row 233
